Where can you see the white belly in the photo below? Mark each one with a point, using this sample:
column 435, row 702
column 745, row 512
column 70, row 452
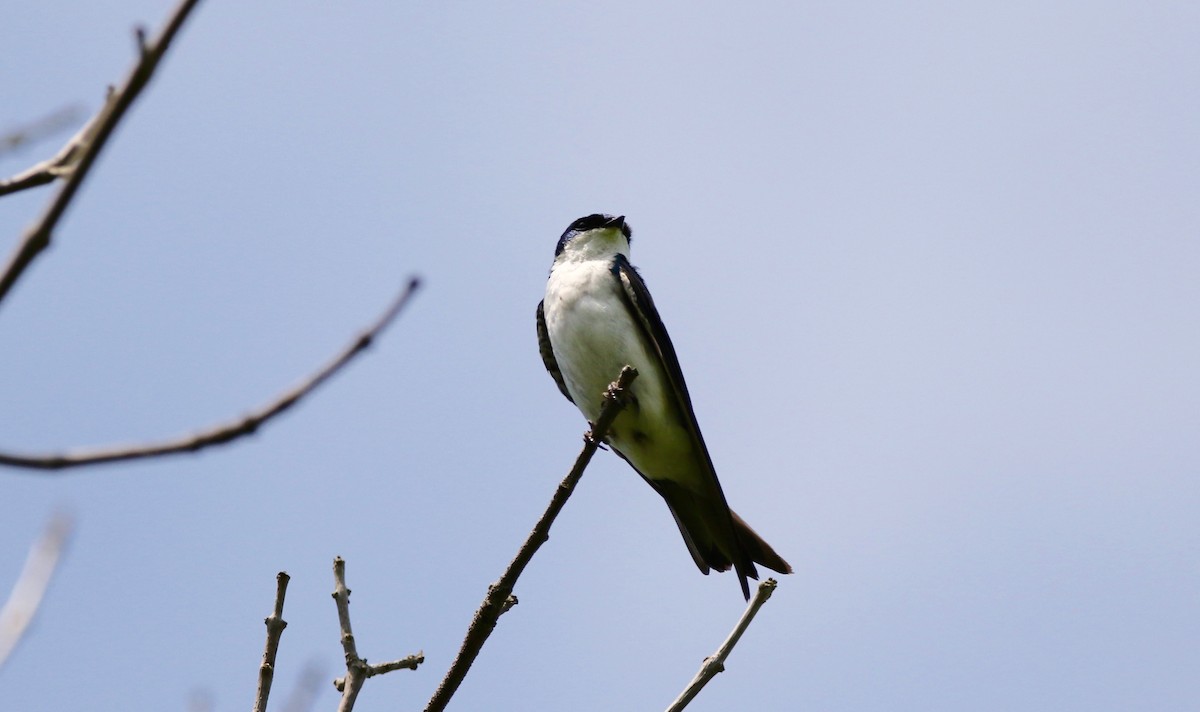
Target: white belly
column 594, row 335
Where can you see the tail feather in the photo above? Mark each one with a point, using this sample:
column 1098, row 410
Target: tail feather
column 757, row 548
column 717, row 538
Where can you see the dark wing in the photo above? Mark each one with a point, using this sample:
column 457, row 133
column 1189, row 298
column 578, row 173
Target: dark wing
column 643, row 306
column 548, row 351
column 694, row 511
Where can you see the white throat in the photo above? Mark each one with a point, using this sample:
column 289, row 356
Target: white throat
column 599, row 244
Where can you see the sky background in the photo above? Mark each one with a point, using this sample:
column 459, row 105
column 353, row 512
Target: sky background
column 932, row 270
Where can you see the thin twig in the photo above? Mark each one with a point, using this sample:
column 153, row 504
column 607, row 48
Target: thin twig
column 275, row 625
column 499, row 597
column 225, row 432
column 33, row 132
column 60, row 164
column 716, row 663
column 37, row 236
column 57, row 166
column 31, row 585
column 357, row 669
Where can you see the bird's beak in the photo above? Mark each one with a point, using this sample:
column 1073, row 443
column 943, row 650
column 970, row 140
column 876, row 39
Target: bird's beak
column 617, row 222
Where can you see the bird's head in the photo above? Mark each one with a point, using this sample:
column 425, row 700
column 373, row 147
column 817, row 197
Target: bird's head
column 595, row 235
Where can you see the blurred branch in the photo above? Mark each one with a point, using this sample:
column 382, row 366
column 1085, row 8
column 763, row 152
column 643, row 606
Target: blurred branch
column 200, row 700
column 91, row 141
column 31, row 585
column 716, row 663
column 225, row 432
column 308, row 686
column 499, row 598
column 35, row 131
column 357, row 669
column 275, row 625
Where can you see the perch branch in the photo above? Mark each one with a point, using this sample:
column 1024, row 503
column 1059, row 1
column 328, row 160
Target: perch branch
column 275, row 625
column 31, row 585
column 357, row 669
column 225, row 432
column 716, row 663
column 92, row 139
column 499, row 597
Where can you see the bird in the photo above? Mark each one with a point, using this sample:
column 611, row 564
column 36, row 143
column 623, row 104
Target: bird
column 597, row 317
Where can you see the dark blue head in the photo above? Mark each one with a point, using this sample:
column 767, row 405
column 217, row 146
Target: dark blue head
column 591, row 222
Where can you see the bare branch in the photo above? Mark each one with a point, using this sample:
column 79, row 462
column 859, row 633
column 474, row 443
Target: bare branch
column 37, row 236
column 31, row 585
column 716, row 663
column 499, row 598
column 357, row 669
column 225, row 432
column 275, row 625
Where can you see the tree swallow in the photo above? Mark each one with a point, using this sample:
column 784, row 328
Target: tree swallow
column 598, row 317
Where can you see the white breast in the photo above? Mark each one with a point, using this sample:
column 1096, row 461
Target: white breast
column 591, row 330
column 594, row 335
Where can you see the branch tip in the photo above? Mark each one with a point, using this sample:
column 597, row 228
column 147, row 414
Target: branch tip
column 497, row 600
column 715, row 663
column 139, row 38
column 221, row 433
column 275, row 626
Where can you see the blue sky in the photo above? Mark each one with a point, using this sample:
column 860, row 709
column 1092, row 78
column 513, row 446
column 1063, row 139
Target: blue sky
column 931, row 271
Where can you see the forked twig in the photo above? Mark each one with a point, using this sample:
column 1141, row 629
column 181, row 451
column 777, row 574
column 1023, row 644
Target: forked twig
column 94, row 136
column 357, row 669
column 51, row 168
